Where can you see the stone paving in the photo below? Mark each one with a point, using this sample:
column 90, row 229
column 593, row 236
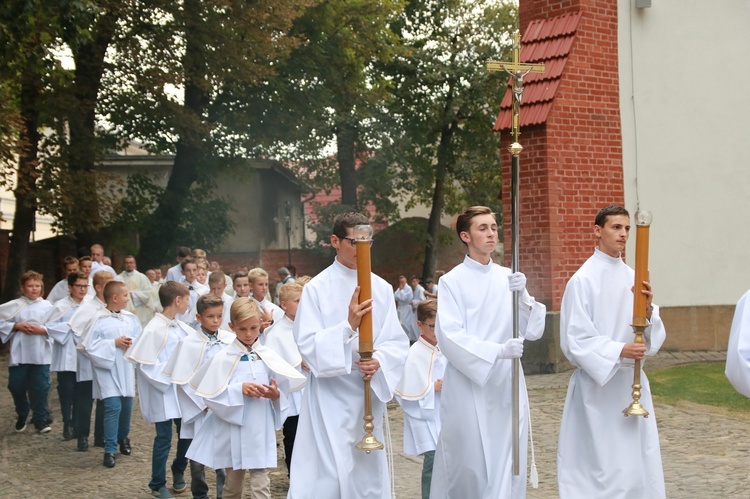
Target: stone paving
column 705, row 453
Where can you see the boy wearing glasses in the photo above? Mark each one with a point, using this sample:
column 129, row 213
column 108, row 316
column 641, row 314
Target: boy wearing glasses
column 64, row 354
column 326, row 330
column 418, row 393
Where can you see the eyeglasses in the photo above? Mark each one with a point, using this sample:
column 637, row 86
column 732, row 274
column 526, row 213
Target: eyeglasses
column 354, row 241
column 81, row 286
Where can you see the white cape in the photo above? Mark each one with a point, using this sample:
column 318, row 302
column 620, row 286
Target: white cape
column 738, row 351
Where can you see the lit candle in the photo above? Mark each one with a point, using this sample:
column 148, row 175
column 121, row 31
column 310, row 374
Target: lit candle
column 642, row 223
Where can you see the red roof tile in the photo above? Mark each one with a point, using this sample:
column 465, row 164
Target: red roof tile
column 546, row 41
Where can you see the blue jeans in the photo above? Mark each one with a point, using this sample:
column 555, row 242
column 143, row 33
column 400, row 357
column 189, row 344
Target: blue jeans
column 117, row 411
column 29, row 385
column 160, row 453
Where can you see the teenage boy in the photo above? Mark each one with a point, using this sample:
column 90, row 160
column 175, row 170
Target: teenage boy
column 330, row 421
column 241, row 286
column 191, row 353
column 64, row 354
column 475, row 333
column 156, row 392
column 60, row 290
column 107, row 338
column 614, row 456
column 175, row 273
column 30, row 353
column 270, row 312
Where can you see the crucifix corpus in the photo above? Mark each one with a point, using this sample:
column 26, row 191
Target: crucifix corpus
column 517, row 70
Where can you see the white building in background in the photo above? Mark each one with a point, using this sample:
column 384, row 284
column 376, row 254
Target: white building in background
column 685, row 112
column 43, row 229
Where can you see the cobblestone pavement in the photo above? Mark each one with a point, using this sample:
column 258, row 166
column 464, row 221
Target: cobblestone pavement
column 705, row 453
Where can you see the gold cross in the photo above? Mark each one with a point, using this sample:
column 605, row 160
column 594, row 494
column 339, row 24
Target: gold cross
column 517, row 70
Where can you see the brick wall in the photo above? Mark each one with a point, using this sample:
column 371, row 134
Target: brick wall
column 572, row 165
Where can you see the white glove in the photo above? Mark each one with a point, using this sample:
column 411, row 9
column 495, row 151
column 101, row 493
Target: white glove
column 517, row 281
column 511, row 349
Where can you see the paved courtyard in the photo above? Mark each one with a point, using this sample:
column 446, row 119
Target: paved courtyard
column 705, row 454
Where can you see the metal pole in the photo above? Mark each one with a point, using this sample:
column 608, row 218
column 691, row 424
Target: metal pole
column 515, row 212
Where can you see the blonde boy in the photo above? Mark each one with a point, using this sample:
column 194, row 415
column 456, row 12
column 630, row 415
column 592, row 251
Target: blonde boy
column 270, row 312
column 190, row 272
column 280, row 338
column 247, row 405
column 30, row 353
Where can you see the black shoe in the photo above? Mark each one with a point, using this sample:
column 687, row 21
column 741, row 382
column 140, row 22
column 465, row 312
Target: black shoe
column 67, row 432
column 20, row 424
column 125, row 448
column 83, row 444
column 109, row 460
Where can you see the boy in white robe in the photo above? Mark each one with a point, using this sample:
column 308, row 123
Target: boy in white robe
column 601, row 453
column 404, row 296
column 64, row 354
column 85, row 391
column 326, row 462
column 475, row 333
column 738, row 351
column 190, row 272
column 192, row 352
column 280, row 338
column 241, row 287
column 270, row 312
column 417, row 298
column 157, row 394
column 60, row 290
column 245, row 387
column 21, row 323
column 175, row 273
column 418, row 393
column 108, row 336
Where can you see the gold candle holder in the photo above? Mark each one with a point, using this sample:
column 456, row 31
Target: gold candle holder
column 643, row 221
column 362, row 234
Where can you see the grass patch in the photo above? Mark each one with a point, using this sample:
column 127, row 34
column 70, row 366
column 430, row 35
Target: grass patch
column 702, row 383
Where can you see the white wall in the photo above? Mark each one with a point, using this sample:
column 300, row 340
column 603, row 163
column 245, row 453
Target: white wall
column 685, row 105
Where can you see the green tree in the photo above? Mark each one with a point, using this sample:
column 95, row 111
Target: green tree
column 443, row 152
column 181, row 69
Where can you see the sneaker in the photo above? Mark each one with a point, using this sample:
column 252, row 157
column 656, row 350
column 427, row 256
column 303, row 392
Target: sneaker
column 162, row 493
column 45, row 428
column 20, row 424
column 178, row 483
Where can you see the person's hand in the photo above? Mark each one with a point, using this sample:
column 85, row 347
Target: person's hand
column 271, row 391
column 254, row 390
column 304, row 367
column 368, row 367
column 439, row 385
column 649, row 292
column 123, row 342
column 266, row 318
column 634, row 351
column 511, row 349
column 517, row 281
column 358, row 310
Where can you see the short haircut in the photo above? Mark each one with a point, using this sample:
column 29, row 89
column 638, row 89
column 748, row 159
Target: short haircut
column 102, row 276
column 202, row 263
column 31, row 275
column 208, row 301
column 463, row 222
column 604, row 213
column 84, row 259
column 401, row 277
column 129, row 256
column 198, row 253
column 243, row 309
column 69, row 260
column 303, row 280
column 216, row 277
column 255, row 273
column 426, row 309
column 288, row 290
column 240, row 275
column 413, row 277
column 186, row 261
column 97, row 246
column 283, row 271
column 183, row 251
column 112, row 288
column 348, row 220
column 75, row 276
column 170, row 290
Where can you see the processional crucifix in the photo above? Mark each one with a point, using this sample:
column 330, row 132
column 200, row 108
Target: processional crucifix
column 517, row 70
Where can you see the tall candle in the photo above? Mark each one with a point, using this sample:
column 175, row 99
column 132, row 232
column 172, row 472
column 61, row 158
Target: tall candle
column 363, row 235
column 642, row 222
